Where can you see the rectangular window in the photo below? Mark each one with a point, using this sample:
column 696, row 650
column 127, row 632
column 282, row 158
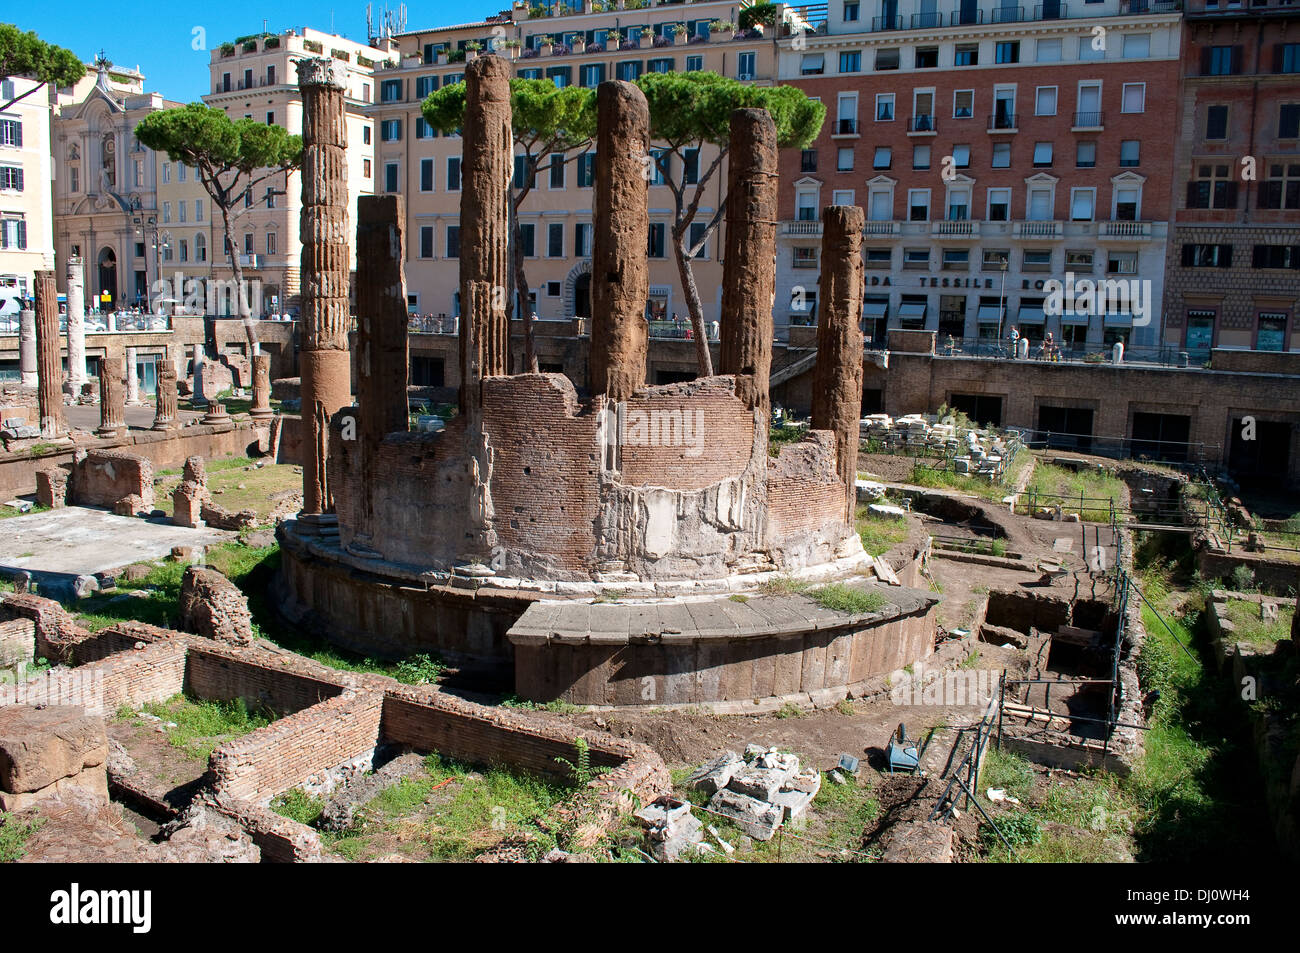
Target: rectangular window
column 1037, row 260
column 1286, row 58
column 851, row 61
column 1288, row 121
column 1130, row 153
column 956, row 259
column 1134, row 99
column 694, row 64
column 844, row 161
column 920, row 157
column 851, row 11
column 453, row 241
column 918, row 205
column 557, row 170
column 961, row 156
column 655, row 240
column 1048, row 51
column 1276, row 256
column 453, row 174
column 586, row 170
column 883, row 159
column 691, row 166
column 1136, row 46
column 887, row 60
column 884, row 107
column 390, row 91
column 426, row 241
column 628, row 70
column 582, row 240
column 745, row 66
column 390, row 130
column 697, row 239
column 555, row 240
column 528, row 239
column 1082, row 204
column 1085, row 155
column 1281, row 190
column 1213, row 187
column 1042, row 155
column 1001, row 155
column 1207, row 256
column 999, row 205
column 1220, row 61
column 963, row 103
column 966, row 54
column 1045, row 101
column 424, row 85
column 1216, row 122
column 927, row 57
column 1007, row 51
column 426, row 175
column 390, row 177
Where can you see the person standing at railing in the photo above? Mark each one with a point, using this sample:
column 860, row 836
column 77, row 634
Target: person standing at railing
column 1015, row 341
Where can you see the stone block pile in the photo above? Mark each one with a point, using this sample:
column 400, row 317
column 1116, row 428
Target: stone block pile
column 972, row 451
column 758, row 791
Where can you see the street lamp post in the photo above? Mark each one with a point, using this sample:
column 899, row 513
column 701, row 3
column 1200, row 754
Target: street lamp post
column 1002, row 298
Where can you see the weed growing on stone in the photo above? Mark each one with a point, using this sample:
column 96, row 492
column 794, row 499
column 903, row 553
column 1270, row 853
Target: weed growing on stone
column 13, row 837
column 841, row 598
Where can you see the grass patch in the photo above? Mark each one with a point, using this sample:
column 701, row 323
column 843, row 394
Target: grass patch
column 1253, row 630
column 558, row 705
column 841, row 598
column 198, row 727
column 13, row 837
column 9, row 512
column 298, row 805
column 790, row 710
column 879, row 534
column 781, row 436
column 450, row 812
column 1093, row 486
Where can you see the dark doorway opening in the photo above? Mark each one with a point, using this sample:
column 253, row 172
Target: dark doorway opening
column 1263, row 458
column 1161, row 436
column 981, row 408
column 1066, row 428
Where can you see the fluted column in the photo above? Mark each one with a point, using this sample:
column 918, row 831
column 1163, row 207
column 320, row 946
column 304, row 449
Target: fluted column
column 49, row 368
column 324, row 361
column 620, row 282
column 837, row 379
column 487, row 164
column 76, row 325
column 27, row 349
column 749, row 262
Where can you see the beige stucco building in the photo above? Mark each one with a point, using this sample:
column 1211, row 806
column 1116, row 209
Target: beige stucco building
column 255, row 78
column 556, row 217
column 26, row 219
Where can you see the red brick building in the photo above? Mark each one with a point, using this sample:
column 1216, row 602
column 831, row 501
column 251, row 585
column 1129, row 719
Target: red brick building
column 991, row 136
column 1234, row 258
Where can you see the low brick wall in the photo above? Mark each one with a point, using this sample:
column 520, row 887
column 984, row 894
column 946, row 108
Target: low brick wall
column 274, row 759
column 224, row 674
column 152, row 673
column 1276, row 575
column 103, row 477
column 56, row 631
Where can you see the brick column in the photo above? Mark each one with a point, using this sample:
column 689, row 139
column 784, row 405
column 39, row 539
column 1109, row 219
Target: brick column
column 382, row 353
column 261, row 408
column 27, row 349
column 325, row 365
column 620, row 282
column 112, row 416
column 837, row 378
column 749, row 278
column 165, row 409
column 49, row 370
column 76, row 326
column 487, row 164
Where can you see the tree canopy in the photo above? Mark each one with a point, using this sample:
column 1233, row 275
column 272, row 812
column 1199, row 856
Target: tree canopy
column 551, row 118
column 230, row 156
column 26, row 54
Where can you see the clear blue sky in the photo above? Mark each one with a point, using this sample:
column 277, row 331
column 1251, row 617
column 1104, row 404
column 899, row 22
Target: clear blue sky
column 160, row 39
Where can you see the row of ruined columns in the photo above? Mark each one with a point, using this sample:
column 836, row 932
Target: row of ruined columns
column 620, row 279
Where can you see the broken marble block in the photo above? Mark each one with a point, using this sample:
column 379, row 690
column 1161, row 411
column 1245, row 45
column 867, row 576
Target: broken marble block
column 807, row 781
column 713, row 776
column 47, row 751
column 758, row 819
column 793, row 804
column 671, row 829
column 758, row 782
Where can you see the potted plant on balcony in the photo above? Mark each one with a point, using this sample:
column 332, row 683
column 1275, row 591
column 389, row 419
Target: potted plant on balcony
column 679, row 33
column 580, row 43
column 545, row 45
column 647, row 35
column 723, row 28
column 472, row 50
column 511, row 47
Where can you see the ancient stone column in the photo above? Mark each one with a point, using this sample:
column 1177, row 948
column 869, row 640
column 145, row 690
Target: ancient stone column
column 749, row 273
column 165, row 410
column 837, row 378
column 76, row 326
column 112, row 395
column 27, row 348
column 261, row 409
column 49, row 370
column 487, row 163
column 325, row 364
column 132, row 378
column 382, row 352
column 620, row 282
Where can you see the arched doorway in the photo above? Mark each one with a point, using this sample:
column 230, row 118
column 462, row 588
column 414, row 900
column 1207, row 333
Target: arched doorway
column 582, row 296
column 107, row 277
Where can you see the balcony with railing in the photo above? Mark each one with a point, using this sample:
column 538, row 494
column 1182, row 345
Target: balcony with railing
column 926, row 21
column 964, row 228
column 801, row 227
column 882, row 24
column 1004, row 122
column 966, row 16
column 1007, row 14
column 923, row 124
column 1125, row 230
column 846, row 127
column 1083, row 121
column 1038, row 229
column 1135, row 7
column 1051, row 11
column 881, row 229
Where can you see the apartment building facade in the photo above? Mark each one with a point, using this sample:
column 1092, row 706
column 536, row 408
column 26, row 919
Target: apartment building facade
column 584, row 47
column 26, row 217
column 255, row 78
column 105, row 199
column 1234, row 259
column 995, row 148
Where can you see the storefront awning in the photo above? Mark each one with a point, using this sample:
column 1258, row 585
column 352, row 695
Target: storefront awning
column 1118, row 320
column 1077, row 317
column 874, row 310
column 989, row 314
column 911, row 312
column 1031, row 314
